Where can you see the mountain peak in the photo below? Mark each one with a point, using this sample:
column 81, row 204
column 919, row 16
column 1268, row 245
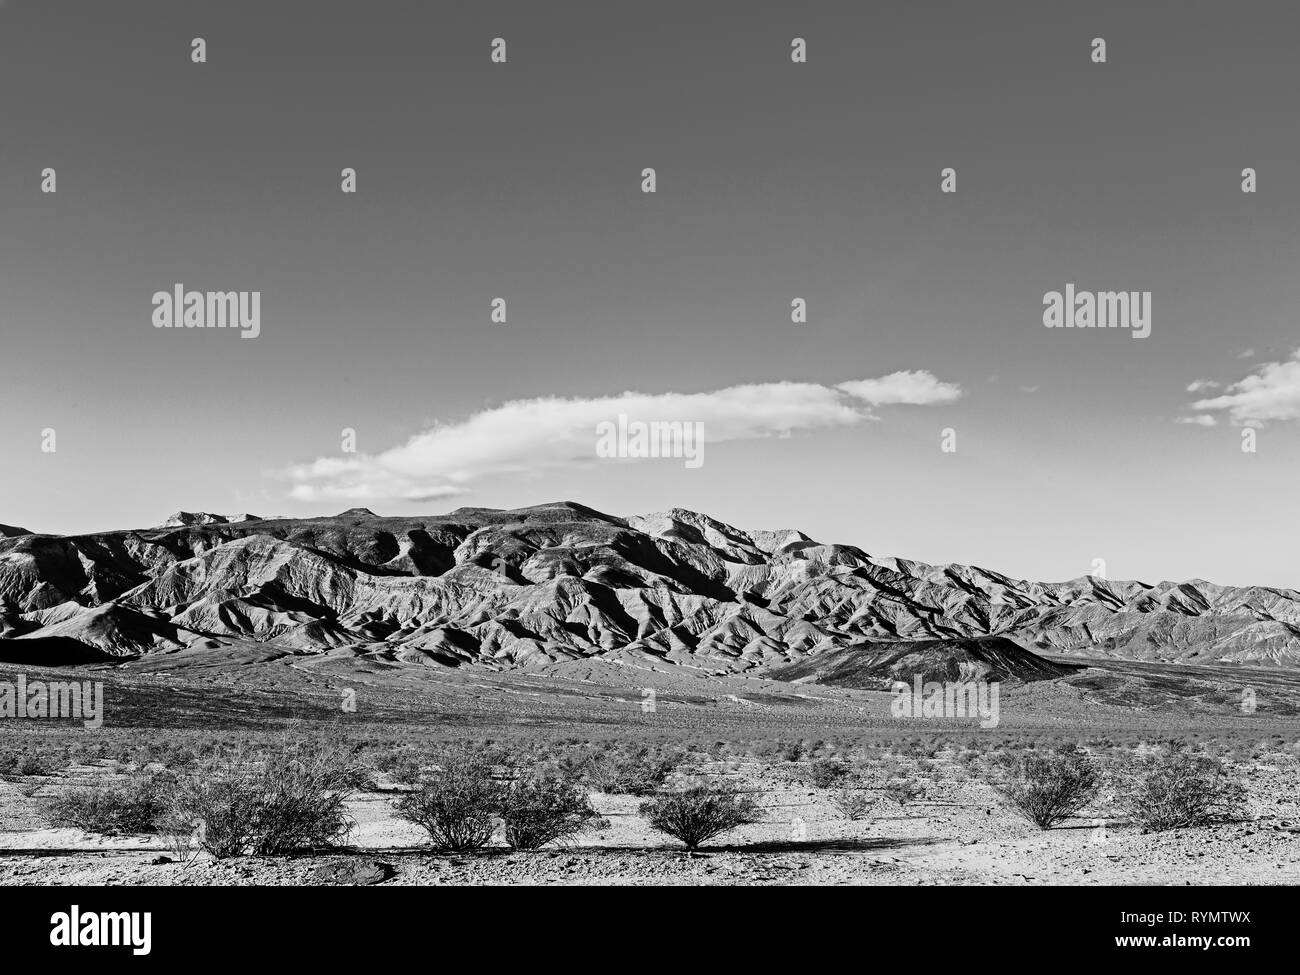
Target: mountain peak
column 183, row 519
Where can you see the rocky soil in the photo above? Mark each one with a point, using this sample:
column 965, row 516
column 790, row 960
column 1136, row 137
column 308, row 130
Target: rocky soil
column 960, row 833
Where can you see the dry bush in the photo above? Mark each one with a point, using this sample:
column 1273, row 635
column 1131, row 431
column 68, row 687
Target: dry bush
column 825, row 773
column 128, row 807
column 294, row 799
column 456, row 804
column 629, row 773
column 903, row 791
column 32, row 761
column 699, row 813
column 544, row 807
column 853, row 804
column 1047, row 787
column 402, row 764
column 1171, row 791
column 303, row 799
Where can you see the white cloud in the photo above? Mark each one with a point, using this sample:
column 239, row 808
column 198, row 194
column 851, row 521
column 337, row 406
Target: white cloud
column 1200, row 420
column 1271, row 392
column 548, row 433
column 915, row 388
column 1201, row 385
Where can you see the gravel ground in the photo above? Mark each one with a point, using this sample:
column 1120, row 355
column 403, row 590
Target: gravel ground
column 961, row 833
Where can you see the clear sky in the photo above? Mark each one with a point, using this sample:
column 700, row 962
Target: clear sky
column 775, row 180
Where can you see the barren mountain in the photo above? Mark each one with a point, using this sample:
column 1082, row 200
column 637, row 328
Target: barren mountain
column 881, row 664
column 562, row 581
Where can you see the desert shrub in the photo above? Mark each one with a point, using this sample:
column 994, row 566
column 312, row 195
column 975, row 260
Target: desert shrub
column 903, row 792
column 699, row 813
column 1169, row 791
column 221, row 806
column 113, row 808
column 825, row 773
column 571, row 762
column 177, row 756
column 1047, row 787
column 456, row 804
column 541, row 808
column 792, row 752
column 302, row 800
column 31, row 763
column 403, row 764
column 629, row 773
column 294, row 799
column 853, row 804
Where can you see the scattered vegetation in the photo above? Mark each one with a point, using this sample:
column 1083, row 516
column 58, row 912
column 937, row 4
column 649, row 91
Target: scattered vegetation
column 272, row 795
column 635, row 772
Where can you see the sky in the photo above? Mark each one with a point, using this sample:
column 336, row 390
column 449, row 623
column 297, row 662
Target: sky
column 775, row 180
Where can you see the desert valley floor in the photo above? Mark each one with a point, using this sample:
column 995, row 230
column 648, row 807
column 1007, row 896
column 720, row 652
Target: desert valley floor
column 756, row 733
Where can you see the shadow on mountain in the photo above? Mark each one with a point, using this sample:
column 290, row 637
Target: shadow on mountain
column 880, row 664
column 54, row 651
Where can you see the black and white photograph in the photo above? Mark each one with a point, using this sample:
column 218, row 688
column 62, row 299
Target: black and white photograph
column 717, row 443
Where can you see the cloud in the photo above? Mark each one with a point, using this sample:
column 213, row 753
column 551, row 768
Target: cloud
column 917, row 388
column 1201, row 385
column 529, row 436
column 1201, row 420
column 1270, row 393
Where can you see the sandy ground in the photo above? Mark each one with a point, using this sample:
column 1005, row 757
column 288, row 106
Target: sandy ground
column 961, row 833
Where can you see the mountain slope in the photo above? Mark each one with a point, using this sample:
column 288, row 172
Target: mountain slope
column 563, row 581
column 989, row 658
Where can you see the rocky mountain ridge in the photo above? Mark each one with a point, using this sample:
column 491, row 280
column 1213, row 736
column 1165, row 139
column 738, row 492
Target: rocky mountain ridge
column 563, row 581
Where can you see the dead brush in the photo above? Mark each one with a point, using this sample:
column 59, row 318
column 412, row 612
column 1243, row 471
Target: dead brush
column 458, row 803
column 293, row 799
column 853, row 804
column 633, row 773
column 1047, row 787
column 544, row 807
column 1178, row 790
column 699, row 813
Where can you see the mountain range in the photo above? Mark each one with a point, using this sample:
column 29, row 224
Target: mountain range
column 532, row 586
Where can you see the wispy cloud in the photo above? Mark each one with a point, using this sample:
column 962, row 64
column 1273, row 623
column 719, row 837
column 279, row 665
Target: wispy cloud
column 549, row 433
column 1200, row 420
column 1270, row 393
